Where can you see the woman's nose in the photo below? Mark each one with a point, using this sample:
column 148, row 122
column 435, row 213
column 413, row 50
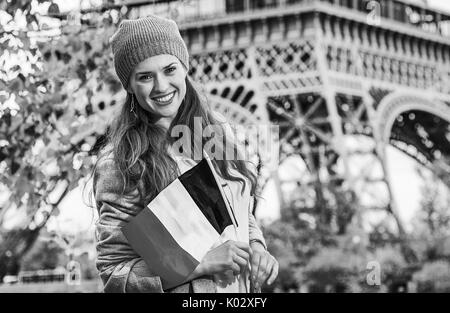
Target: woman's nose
column 161, row 84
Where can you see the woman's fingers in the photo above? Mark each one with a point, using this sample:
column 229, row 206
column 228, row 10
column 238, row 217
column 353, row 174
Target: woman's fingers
column 235, row 268
column 243, row 254
column 273, row 272
column 255, row 265
column 262, row 271
column 264, row 267
column 241, row 262
column 267, row 270
column 242, row 245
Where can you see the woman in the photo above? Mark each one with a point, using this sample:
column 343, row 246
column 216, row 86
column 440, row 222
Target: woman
column 137, row 162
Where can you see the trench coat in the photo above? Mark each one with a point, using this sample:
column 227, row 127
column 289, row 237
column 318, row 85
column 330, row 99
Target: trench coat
column 120, row 268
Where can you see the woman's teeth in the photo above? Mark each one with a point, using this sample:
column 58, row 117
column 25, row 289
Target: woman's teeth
column 165, row 98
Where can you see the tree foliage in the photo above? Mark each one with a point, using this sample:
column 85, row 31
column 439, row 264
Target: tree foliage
column 57, row 92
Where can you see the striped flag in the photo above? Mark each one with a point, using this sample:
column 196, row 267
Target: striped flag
column 181, row 224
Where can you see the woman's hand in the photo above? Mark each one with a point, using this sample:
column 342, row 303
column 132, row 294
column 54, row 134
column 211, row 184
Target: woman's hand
column 230, row 256
column 264, row 266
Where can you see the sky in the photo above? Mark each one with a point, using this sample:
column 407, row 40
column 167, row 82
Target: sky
column 71, row 5
column 75, row 215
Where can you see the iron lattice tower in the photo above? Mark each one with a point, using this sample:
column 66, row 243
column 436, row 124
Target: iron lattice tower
column 325, row 71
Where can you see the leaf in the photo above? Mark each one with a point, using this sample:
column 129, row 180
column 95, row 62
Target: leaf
column 15, row 68
column 58, row 55
column 81, row 72
column 5, row 43
column 3, row 97
column 66, row 140
column 45, row 26
column 31, row 18
column 16, row 122
column 53, row 9
column 87, row 46
column 91, row 65
column 26, row 5
column 47, row 55
column 30, row 131
column 21, row 77
column 15, row 166
column 50, row 153
column 66, row 57
column 16, row 85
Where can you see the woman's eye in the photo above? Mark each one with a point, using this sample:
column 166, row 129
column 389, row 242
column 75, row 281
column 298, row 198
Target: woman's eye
column 145, row 77
column 170, row 69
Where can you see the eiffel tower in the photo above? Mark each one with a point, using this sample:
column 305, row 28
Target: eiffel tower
column 329, row 73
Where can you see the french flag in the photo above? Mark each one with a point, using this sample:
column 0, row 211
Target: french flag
column 181, row 224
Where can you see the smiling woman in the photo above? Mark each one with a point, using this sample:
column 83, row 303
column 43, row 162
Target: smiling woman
column 158, row 83
column 137, row 162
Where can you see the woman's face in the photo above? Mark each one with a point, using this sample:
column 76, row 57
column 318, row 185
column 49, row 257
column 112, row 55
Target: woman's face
column 159, row 86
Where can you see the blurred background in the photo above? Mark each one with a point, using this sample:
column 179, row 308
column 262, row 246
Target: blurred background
column 358, row 199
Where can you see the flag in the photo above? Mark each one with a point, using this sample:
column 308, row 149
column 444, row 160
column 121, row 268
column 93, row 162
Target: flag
column 181, row 224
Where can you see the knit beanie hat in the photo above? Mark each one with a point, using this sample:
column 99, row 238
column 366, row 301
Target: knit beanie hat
column 137, row 40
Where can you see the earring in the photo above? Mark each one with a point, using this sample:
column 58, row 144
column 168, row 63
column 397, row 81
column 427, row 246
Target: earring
column 132, row 105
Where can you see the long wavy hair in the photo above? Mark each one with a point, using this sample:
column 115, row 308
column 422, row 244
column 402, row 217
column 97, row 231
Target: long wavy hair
column 139, row 147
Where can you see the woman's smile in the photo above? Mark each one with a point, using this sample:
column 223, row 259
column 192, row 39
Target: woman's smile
column 159, row 86
column 164, row 100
